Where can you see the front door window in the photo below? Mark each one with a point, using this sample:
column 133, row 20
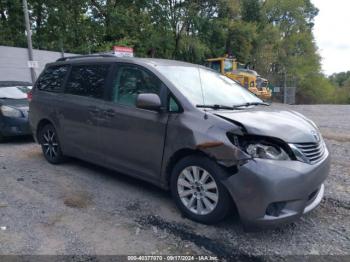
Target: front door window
column 130, row 81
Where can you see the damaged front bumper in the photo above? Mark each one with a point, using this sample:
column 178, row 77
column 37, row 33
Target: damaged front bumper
column 270, row 192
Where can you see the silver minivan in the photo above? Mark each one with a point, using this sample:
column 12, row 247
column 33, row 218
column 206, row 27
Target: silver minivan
column 184, row 128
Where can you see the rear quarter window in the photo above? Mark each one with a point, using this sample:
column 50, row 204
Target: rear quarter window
column 51, row 80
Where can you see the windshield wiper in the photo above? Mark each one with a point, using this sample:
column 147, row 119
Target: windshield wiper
column 251, row 104
column 216, row 107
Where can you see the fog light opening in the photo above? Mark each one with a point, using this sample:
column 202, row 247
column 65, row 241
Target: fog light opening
column 313, row 195
column 275, row 209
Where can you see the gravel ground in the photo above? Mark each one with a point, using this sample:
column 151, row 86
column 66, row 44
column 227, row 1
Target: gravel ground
column 78, row 208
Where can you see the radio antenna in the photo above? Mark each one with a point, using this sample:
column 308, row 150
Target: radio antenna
column 202, row 90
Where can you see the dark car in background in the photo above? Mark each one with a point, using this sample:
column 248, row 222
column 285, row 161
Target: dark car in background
column 14, row 108
column 186, row 128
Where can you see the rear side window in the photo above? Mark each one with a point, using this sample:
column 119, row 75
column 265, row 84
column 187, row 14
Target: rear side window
column 87, row 80
column 52, row 78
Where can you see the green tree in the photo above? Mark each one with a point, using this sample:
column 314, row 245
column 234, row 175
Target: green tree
column 340, row 79
column 251, row 11
column 12, row 23
column 273, row 36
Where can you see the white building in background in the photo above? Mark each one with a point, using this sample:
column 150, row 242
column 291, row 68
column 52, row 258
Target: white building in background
column 14, row 64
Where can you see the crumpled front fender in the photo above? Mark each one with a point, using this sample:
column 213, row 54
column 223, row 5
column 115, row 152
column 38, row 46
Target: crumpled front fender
column 217, row 145
column 204, row 133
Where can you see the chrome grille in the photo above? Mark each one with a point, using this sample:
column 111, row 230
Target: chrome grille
column 312, row 152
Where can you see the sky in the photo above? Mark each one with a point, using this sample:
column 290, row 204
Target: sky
column 332, row 34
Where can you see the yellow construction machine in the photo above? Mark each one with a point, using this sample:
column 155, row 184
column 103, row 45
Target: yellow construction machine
column 248, row 78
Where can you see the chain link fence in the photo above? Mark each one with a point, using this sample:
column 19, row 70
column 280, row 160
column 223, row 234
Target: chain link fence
column 284, row 95
column 284, row 89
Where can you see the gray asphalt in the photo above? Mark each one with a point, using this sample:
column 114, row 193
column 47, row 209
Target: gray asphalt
column 78, row 208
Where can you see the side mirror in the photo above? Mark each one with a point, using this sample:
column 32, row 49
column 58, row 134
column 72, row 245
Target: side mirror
column 148, row 101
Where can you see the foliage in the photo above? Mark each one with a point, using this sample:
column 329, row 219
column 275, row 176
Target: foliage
column 11, row 23
column 272, row 36
column 340, row 79
column 342, row 90
column 316, row 89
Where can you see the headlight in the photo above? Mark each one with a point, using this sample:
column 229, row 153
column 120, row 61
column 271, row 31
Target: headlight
column 267, row 152
column 10, row 111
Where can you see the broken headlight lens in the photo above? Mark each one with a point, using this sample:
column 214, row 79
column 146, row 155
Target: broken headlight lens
column 267, row 152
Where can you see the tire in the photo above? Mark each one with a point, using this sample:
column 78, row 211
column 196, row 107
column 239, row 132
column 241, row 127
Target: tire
column 50, row 144
column 204, row 199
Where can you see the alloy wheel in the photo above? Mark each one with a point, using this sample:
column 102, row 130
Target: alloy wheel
column 50, row 144
column 197, row 190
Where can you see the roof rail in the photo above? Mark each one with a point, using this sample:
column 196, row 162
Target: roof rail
column 83, row 56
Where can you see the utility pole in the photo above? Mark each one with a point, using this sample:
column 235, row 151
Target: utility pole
column 285, row 87
column 29, row 39
column 61, row 46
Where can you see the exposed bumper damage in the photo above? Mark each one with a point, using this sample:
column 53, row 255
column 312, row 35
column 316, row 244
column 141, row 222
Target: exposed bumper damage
column 269, row 193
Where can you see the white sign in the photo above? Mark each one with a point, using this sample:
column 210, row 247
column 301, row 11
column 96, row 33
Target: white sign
column 122, row 51
column 276, row 89
column 33, row 64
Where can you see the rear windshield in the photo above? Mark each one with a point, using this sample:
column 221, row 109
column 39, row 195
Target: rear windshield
column 14, row 92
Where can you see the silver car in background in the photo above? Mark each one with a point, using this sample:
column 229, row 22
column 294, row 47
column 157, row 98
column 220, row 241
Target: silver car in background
column 14, row 107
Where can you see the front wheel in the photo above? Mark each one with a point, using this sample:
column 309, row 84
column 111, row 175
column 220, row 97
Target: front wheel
column 50, row 144
column 197, row 190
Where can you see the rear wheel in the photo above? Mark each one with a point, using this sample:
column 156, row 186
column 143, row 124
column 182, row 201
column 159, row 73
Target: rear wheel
column 50, row 144
column 198, row 191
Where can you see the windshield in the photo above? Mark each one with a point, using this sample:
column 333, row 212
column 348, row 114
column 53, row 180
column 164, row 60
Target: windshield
column 217, row 89
column 228, row 65
column 14, row 92
column 215, row 65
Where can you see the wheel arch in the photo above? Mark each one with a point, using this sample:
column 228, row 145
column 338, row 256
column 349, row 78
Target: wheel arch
column 182, row 153
column 43, row 122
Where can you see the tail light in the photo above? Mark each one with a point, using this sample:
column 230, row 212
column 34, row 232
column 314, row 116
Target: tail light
column 30, row 95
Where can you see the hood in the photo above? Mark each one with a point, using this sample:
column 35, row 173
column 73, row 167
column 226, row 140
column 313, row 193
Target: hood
column 17, row 103
column 289, row 126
